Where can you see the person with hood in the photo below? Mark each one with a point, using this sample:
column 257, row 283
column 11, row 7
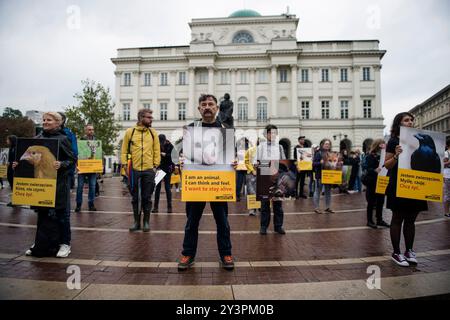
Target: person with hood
column 52, row 130
column 141, row 145
column 168, row 167
column 11, row 141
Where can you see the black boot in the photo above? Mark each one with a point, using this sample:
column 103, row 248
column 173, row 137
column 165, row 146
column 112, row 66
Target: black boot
column 146, row 227
column 137, row 222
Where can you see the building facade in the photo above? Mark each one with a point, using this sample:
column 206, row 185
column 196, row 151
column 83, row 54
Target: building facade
column 434, row 113
column 323, row 89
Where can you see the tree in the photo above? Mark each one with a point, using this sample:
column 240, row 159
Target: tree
column 11, row 113
column 94, row 107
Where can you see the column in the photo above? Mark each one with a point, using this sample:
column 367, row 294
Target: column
column 211, row 80
column 233, row 85
column 118, row 105
column 135, row 106
column 377, row 112
column 172, row 108
column 192, row 103
column 335, row 108
column 155, row 84
column 252, row 99
column 294, row 88
column 355, row 109
column 316, row 114
column 273, row 95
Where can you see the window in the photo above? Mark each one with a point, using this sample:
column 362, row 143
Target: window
column 344, row 75
column 283, row 75
column 261, row 109
column 182, row 111
column 126, row 111
column 147, row 106
column 202, row 77
column 344, row 109
column 242, row 109
column 326, row 109
column 163, row 79
column 305, row 110
column 182, row 78
column 305, row 75
column 243, row 76
column 367, row 108
column 224, row 77
column 163, row 111
column 127, row 79
column 147, row 79
column 243, row 37
column 262, row 76
column 325, row 75
column 366, row 74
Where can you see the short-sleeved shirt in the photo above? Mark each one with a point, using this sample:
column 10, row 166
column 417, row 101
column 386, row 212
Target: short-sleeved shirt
column 393, row 202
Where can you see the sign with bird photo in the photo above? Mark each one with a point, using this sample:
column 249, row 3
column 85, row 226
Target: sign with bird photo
column 420, row 164
column 35, row 174
column 3, row 163
column 304, row 157
column 90, row 156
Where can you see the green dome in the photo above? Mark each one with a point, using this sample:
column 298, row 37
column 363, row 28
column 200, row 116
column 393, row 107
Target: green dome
column 244, row 13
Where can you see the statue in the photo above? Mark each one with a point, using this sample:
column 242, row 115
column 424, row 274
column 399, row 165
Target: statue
column 226, row 111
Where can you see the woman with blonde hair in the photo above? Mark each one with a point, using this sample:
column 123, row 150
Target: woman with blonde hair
column 374, row 199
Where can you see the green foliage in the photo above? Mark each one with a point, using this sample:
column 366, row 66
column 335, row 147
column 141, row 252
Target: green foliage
column 11, row 113
column 20, row 127
column 94, row 107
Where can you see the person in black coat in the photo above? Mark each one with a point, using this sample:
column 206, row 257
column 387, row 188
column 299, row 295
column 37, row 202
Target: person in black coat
column 374, row 199
column 167, row 166
column 66, row 158
column 11, row 141
column 404, row 211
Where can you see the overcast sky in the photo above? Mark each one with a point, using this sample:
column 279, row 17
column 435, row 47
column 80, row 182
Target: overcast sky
column 47, row 48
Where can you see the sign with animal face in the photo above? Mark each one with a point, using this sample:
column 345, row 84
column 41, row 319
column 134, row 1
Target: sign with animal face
column 35, row 174
column 3, row 162
column 280, row 184
column 332, row 168
column 420, row 164
column 90, row 156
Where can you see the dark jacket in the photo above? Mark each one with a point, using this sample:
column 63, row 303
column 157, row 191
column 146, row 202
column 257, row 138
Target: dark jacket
column 67, row 159
column 372, row 163
column 317, row 166
column 166, row 161
column 11, row 158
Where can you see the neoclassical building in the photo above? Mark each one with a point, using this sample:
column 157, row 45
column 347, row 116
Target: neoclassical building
column 317, row 89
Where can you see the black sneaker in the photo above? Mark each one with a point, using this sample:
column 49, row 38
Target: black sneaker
column 263, row 231
column 92, row 208
column 155, row 210
column 383, row 224
column 227, row 262
column 280, row 231
column 372, row 225
column 77, row 209
column 185, row 262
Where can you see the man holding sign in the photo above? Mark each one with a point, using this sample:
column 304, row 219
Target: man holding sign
column 202, row 148
column 90, row 177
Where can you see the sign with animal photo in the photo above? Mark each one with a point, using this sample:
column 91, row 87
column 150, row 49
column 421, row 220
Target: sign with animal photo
column 35, row 175
column 279, row 184
column 420, row 165
column 208, row 173
column 304, row 159
column 332, row 168
column 3, row 162
column 90, row 156
column 382, row 177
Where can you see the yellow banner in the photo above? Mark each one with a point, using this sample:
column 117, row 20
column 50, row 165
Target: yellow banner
column 331, row 177
column 382, row 183
column 304, row 165
column 175, row 178
column 3, row 171
column 34, row 192
column 90, row 166
column 203, row 185
column 420, row 185
column 252, row 203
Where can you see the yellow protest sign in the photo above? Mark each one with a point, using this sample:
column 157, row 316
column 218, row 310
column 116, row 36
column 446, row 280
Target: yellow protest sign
column 90, row 166
column 331, row 177
column 252, row 203
column 34, row 192
column 3, row 162
column 382, row 183
column 3, row 171
column 304, row 165
column 421, row 185
column 175, row 178
column 206, row 185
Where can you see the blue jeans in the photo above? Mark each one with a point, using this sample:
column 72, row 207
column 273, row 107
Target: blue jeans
column 194, row 211
column 318, row 191
column 240, row 177
column 92, row 179
column 358, row 185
